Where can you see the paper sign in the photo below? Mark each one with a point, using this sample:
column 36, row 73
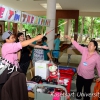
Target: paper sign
column 3, row 12
column 24, row 17
column 10, row 15
column 36, row 20
column 42, row 22
column 48, row 22
column 32, row 19
column 29, row 18
column 39, row 21
column 17, row 16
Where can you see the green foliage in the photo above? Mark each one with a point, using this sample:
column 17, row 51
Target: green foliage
column 97, row 26
column 6, row 26
column 79, row 24
column 61, row 28
column 87, row 26
column 33, row 30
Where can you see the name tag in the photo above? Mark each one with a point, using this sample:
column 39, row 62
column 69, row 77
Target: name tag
column 85, row 64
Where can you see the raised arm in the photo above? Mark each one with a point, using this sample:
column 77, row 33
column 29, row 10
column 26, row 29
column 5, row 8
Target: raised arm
column 37, row 46
column 27, row 42
column 15, row 47
column 77, row 46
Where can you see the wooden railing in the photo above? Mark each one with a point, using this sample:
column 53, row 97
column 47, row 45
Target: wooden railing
column 64, row 46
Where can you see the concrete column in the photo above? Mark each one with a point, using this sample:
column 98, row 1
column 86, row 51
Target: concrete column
column 51, row 14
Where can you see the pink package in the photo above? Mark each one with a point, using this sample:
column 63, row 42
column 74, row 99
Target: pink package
column 56, row 96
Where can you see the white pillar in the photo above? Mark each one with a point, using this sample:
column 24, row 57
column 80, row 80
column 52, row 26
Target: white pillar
column 51, row 14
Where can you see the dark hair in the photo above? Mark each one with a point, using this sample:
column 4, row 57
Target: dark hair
column 44, row 39
column 58, row 35
column 95, row 44
column 28, row 36
column 18, row 35
column 5, row 40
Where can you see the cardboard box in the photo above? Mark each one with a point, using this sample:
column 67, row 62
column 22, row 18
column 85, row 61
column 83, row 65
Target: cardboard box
column 41, row 69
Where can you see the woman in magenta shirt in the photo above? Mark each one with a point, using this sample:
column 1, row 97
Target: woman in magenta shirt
column 10, row 48
column 85, row 72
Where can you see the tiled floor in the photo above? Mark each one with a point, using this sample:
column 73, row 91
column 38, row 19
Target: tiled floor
column 74, row 61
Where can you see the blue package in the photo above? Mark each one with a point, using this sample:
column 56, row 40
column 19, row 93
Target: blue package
column 65, row 67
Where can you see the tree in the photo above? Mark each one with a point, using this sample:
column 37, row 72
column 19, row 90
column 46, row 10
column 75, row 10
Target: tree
column 81, row 31
column 92, row 28
column 88, row 26
column 61, row 28
column 34, row 30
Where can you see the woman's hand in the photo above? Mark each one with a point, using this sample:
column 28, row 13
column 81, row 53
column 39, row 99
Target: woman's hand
column 69, row 38
column 45, row 47
column 39, row 37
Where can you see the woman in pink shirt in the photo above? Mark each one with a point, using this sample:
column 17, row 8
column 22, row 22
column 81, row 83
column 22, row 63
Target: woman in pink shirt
column 85, row 72
column 10, row 48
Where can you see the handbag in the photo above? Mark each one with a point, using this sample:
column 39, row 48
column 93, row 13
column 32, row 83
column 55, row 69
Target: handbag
column 36, row 79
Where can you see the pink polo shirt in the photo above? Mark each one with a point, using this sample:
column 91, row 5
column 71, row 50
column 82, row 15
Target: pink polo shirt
column 9, row 52
column 87, row 70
